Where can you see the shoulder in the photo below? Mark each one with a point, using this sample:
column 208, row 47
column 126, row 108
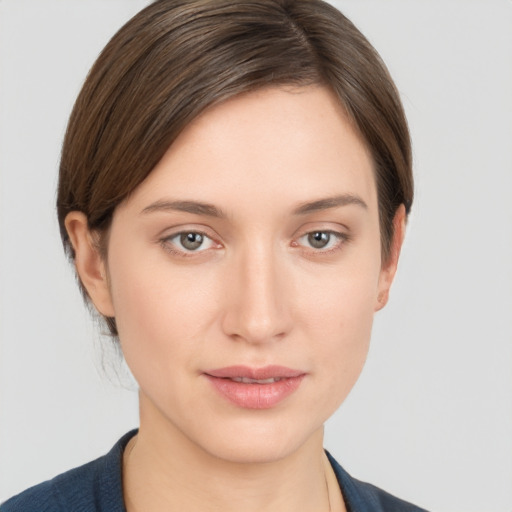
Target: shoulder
column 365, row 497
column 41, row 498
column 72, row 490
column 96, row 486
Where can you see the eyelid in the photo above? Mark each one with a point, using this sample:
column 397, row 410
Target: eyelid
column 171, row 247
column 342, row 235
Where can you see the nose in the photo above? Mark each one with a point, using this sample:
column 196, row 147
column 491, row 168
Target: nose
column 258, row 298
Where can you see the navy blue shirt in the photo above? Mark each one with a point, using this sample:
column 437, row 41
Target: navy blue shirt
column 97, row 487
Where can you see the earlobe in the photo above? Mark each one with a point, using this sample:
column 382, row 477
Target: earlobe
column 90, row 266
column 389, row 267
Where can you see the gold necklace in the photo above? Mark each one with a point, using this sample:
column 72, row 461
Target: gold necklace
column 334, row 496
column 328, row 491
column 131, row 445
column 326, row 468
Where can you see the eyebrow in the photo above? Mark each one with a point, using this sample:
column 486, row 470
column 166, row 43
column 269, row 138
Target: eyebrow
column 330, row 202
column 209, row 210
column 194, row 207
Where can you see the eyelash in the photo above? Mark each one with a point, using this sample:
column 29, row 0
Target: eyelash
column 340, row 240
column 170, row 246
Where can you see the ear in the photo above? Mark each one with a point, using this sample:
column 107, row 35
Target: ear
column 90, row 266
column 389, row 267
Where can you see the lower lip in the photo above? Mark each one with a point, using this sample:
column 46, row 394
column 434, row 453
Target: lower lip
column 256, row 396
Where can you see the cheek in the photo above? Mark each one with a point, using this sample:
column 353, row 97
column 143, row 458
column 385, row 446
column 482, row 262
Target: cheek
column 160, row 313
column 342, row 298
column 338, row 318
column 342, row 321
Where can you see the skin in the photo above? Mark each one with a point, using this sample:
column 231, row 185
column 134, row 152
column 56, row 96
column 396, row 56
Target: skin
column 256, row 292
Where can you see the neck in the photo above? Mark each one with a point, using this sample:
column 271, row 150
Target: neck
column 165, row 470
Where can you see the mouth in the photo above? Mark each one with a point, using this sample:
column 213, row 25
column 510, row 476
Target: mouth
column 247, row 380
column 255, row 388
column 258, row 375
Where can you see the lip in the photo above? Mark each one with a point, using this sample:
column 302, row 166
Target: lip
column 255, row 395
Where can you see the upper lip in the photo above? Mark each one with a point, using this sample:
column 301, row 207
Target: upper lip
column 266, row 372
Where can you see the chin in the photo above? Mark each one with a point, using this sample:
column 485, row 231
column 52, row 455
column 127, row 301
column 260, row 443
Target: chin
column 258, row 442
column 254, row 451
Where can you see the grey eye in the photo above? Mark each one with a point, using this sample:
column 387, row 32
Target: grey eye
column 188, row 243
column 319, row 239
column 191, row 241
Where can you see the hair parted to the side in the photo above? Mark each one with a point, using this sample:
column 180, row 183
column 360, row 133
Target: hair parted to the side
column 177, row 57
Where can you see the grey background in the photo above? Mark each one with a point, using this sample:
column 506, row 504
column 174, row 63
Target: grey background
column 431, row 417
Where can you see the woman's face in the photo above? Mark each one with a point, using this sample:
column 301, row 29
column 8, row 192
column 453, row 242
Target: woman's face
column 245, row 271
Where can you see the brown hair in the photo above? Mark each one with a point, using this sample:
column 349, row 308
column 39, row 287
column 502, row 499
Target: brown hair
column 177, row 57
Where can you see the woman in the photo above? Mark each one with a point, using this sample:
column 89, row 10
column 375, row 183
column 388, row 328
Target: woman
column 234, row 187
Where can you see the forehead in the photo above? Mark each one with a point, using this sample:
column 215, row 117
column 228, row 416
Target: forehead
column 294, row 142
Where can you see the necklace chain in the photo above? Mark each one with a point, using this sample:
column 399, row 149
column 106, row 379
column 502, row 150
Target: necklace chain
column 131, row 445
column 328, row 490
